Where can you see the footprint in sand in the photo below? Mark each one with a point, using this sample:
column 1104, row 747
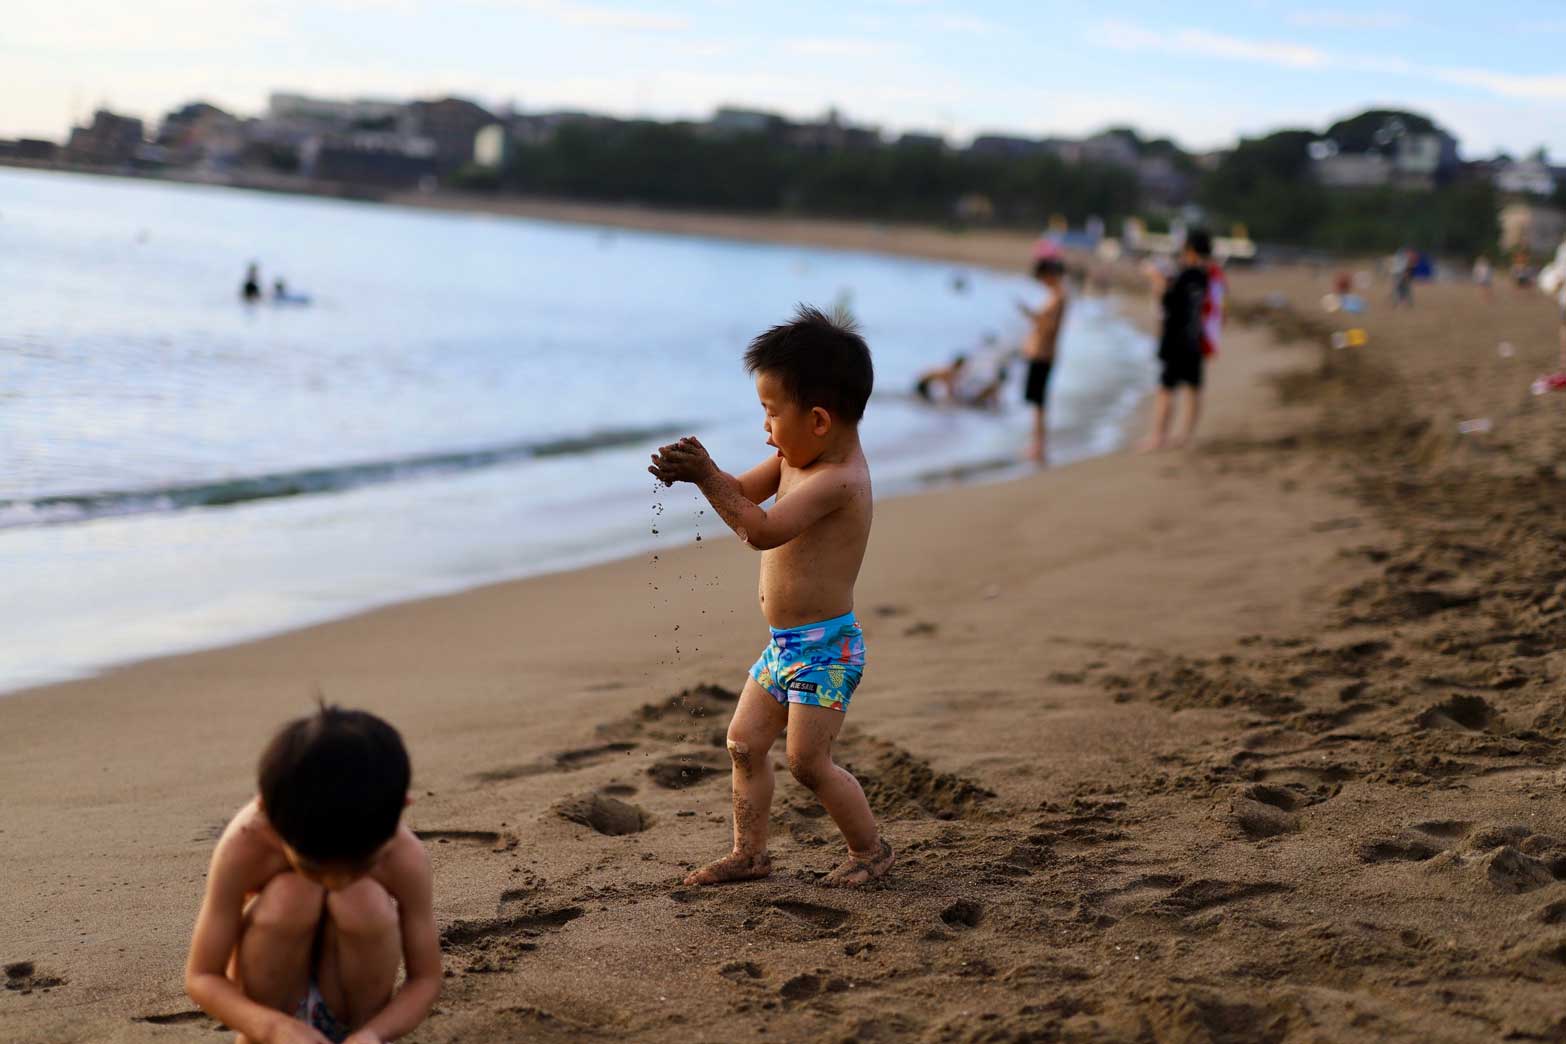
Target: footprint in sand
column 177, row 1018
column 826, row 918
column 1398, row 849
column 564, row 761
column 687, row 770
column 494, row 840
column 740, row 971
column 1196, row 896
column 24, row 977
column 1460, row 712
column 607, row 815
column 461, row 934
column 964, row 913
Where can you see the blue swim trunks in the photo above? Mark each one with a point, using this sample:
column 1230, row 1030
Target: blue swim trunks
column 818, row 665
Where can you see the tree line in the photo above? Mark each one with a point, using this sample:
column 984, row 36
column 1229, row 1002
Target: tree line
column 1265, row 184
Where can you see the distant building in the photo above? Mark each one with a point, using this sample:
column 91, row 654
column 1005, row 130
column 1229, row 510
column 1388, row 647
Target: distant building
column 336, row 114
column 728, row 122
column 540, row 128
column 491, row 147
column 1108, row 149
column 917, row 140
column 1426, row 159
column 1532, row 227
column 1353, row 170
column 1005, row 145
column 453, row 124
column 1162, row 182
column 382, row 159
column 1410, row 160
column 201, row 134
column 109, row 141
column 1529, row 177
column 832, row 133
column 34, row 149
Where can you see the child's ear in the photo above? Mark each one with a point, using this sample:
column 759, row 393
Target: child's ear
column 820, row 420
column 407, row 801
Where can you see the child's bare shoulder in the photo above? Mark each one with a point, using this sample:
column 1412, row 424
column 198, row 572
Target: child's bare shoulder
column 248, row 852
column 405, row 865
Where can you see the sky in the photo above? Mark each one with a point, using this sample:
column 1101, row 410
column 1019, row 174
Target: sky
column 1204, row 73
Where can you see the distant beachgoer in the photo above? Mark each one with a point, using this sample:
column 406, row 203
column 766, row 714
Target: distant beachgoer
column 251, row 291
column 945, row 377
column 279, row 290
column 1403, row 278
column 1484, row 276
column 1214, row 308
column 968, row 380
column 813, row 377
column 1180, row 341
column 1552, row 280
column 1041, row 344
column 318, row 894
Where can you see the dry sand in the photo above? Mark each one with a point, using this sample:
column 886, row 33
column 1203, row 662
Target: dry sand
column 1254, row 742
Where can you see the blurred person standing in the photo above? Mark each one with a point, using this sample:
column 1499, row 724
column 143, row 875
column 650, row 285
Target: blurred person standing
column 1180, row 341
column 1042, row 341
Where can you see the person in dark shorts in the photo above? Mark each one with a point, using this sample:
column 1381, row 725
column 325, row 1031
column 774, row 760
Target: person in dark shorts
column 1180, row 342
column 1039, row 347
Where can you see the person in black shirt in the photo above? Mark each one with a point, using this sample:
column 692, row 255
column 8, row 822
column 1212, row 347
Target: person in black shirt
column 1180, row 342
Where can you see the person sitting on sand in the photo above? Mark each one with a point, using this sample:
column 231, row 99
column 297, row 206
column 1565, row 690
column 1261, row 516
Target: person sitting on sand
column 1039, row 347
column 946, row 377
column 1180, row 341
column 316, row 894
column 813, row 377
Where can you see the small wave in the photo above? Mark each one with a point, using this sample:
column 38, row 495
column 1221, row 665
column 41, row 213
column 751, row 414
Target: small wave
column 77, row 507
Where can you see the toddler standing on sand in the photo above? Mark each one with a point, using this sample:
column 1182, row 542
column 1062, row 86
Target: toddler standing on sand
column 813, row 377
column 317, row 894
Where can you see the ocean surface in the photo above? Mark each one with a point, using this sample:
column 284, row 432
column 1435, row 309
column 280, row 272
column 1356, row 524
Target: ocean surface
column 463, row 399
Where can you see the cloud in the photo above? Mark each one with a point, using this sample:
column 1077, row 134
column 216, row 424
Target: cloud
column 1128, row 36
column 1355, row 20
column 962, row 23
column 1509, row 85
column 599, row 16
column 842, row 47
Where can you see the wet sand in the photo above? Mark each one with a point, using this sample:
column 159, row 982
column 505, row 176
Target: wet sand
column 1258, row 741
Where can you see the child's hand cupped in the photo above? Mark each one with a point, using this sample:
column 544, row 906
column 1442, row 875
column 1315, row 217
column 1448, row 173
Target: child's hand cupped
column 683, row 461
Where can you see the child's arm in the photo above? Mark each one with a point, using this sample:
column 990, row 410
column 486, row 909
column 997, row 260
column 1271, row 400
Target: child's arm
column 412, row 885
column 218, row 927
column 807, row 503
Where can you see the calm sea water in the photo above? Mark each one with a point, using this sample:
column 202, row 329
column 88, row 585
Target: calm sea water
column 463, row 399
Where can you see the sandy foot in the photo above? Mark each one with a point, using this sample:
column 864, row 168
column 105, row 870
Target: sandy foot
column 855, row 871
column 735, row 866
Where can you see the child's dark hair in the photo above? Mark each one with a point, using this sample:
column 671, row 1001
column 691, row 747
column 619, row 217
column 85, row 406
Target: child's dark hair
column 1201, row 241
column 333, row 784
column 821, row 361
column 1048, row 266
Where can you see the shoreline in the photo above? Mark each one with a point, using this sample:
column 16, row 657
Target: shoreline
column 1260, row 740
column 860, row 237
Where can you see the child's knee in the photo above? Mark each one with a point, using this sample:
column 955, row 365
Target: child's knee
column 364, row 908
column 289, row 903
column 809, row 767
column 742, row 755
